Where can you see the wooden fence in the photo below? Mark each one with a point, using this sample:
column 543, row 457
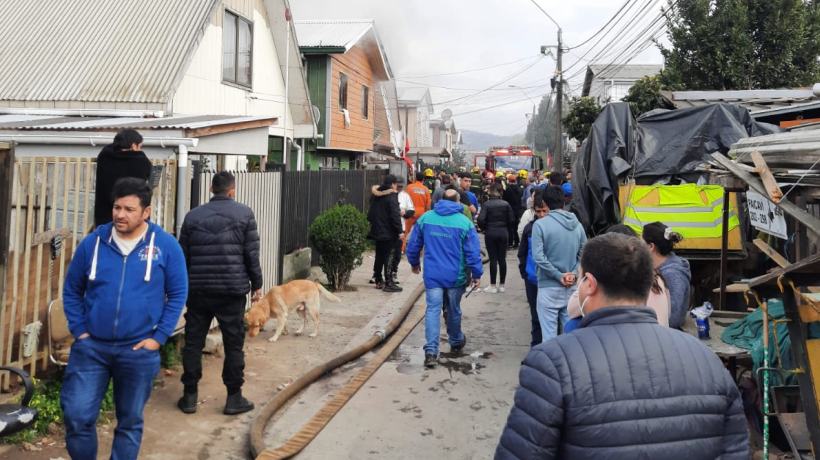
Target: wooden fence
column 52, row 204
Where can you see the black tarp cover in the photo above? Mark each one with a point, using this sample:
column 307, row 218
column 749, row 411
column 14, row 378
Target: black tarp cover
column 659, row 145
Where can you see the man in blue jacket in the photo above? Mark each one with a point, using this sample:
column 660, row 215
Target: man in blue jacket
column 123, row 295
column 452, row 256
column 557, row 240
column 527, row 267
column 622, row 386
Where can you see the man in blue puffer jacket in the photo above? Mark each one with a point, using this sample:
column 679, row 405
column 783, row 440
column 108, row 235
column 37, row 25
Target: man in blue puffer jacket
column 622, row 386
column 452, row 255
column 123, row 295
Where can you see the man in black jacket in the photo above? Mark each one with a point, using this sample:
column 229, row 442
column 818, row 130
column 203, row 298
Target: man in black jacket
column 622, row 386
column 385, row 230
column 123, row 158
column 221, row 245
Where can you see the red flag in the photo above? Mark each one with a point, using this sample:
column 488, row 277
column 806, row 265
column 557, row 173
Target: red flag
column 406, row 146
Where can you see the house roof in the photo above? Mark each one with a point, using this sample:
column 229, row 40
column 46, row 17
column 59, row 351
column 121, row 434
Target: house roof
column 757, row 101
column 193, row 125
column 100, row 50
column 415, row 96
column 339, row 36
column 629, row 72
column 623, row 72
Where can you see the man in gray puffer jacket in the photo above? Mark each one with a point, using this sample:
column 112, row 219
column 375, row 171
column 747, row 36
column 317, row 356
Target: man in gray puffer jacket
column 622, row 386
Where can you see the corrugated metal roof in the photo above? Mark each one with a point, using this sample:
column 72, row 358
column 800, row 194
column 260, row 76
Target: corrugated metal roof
column 50, row 123
column 757, row 101
column 624, row 72
column 97, row 50
column 331, row 33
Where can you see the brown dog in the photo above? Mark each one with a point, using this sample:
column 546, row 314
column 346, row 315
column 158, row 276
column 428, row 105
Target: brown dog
column 302, row 295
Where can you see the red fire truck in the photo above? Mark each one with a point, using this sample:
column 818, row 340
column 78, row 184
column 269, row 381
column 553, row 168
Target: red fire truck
column 509, row 159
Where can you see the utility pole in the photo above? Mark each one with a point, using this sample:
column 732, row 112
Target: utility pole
column 560, row 95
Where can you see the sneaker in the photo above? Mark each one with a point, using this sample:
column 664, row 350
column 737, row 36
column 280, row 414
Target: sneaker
column 430, row 361
column 491, row 290
column 379, row 284
column 501, row 289
column 458, row 348
column 237, row 404
column 391, row 287
column 187, row 403
column 372, row 281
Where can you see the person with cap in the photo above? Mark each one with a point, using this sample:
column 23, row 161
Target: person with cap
column 407, row 210
column 429, row 180
column 385, row 230
column 566, row 187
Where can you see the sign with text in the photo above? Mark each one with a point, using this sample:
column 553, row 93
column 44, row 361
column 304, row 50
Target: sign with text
column 766, row 216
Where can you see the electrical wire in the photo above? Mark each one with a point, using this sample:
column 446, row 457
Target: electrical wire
column 627, row 2
column 501, row 82
column 494, row 106
column 468, row 70
column 602, row 37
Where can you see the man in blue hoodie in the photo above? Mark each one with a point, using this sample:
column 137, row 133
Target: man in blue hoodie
column 123, row 295
column 557, row 240
column 527, row 267
column 451, row 248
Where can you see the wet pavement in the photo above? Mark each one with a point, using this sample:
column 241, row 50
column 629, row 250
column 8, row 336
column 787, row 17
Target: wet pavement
column 455, row 411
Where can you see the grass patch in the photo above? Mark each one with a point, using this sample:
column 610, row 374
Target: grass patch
column 46, row 400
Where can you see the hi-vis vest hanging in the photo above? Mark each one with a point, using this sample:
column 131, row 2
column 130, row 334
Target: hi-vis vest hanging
column 694, row 211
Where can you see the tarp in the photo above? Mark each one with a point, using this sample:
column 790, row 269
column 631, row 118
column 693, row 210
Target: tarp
column 747, row 333
column 659, row 146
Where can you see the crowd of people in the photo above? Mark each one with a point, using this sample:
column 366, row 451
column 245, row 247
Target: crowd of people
column 606, row 315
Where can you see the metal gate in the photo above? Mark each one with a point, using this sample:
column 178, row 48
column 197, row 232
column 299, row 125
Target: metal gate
column 52, row 199
column 262, row 192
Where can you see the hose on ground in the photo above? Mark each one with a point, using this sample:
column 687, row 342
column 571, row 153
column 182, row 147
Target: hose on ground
column 258, row 426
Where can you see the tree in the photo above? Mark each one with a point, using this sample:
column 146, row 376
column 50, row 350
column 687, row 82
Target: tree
column 582, row 113
column 741, row 44
column 339, row 234
column 459, row 157
column 645, row 95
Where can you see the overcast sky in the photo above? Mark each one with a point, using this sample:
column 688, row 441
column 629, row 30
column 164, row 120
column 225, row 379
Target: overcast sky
column 433, row 37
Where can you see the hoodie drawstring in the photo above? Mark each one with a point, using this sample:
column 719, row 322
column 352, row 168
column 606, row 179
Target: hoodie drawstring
column 150, row 258
column 93, row 274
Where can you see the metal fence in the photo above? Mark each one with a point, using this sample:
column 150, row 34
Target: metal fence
column 52, row 198
column 262, row 192
column 307, row 193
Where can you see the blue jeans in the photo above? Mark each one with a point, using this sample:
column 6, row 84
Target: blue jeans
column 91, row 365
column 432, row 318
column 552, row 305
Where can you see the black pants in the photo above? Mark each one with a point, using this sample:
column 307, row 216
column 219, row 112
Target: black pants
column 496, row 242
column 395, row 257
column 532, row 297
column 512, row 233
column 384, row 256
column 229, row 312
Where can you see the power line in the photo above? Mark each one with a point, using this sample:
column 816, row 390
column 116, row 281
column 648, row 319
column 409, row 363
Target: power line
column 627, row 2
column 505, row 80
column 494, row 106
column 468, row 70
column 602, row 37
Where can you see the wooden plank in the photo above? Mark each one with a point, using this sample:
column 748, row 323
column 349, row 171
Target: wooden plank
column 88, row 169
column 26, row 248
column 808, row 266
column 788, row 207
column 66, row 176
column 76, row 206
column 15, row 266
column 769, row 251
column 52, row 223
column 38, row 277
column 772, row 189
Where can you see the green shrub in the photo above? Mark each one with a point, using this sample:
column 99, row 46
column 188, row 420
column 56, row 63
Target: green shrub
column 170, row 356
column 340, row 236
column 46, row 400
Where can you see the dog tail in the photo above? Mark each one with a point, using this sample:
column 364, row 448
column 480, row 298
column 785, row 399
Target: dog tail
column 326, row 294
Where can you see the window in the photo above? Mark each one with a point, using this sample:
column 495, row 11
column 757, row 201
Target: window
column 342, row 91
column 237, row 49
column 365, row 102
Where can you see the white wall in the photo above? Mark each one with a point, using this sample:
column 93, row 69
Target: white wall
column 202, row 91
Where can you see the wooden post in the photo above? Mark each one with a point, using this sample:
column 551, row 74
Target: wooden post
column 773, row 190
column 7, row 176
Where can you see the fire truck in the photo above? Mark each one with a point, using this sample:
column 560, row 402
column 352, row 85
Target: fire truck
column 509, row 159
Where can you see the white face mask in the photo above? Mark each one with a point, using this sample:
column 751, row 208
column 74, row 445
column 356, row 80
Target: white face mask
column 583, row 304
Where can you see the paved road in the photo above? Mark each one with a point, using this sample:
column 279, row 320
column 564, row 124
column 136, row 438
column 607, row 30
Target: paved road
column 455, row 411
